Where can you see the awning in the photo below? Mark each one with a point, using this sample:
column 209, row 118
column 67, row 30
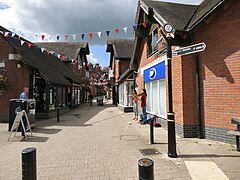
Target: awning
column 125, row 75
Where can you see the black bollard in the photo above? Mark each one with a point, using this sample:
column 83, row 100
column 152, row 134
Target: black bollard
column 145, row 169
column 29, row 168
column 58, row 108
column 151, row 131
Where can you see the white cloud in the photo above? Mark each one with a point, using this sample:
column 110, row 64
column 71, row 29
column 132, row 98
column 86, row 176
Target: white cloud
column 92, row 59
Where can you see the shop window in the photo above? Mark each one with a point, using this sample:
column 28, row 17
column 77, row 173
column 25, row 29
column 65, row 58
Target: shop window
column 156, row 98
column 152, row 42
column 2, row 63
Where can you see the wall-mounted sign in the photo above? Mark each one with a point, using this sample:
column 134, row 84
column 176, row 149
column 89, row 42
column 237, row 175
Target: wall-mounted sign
column 155, row 72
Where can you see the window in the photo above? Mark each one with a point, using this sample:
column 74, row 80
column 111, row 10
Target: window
column 156, row 97
column 2, row 63
column 152, row 42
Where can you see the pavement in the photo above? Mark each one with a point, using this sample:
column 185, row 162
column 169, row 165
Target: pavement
column 103, row 143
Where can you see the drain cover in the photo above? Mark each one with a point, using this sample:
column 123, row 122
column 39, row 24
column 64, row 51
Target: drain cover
column 149, row 151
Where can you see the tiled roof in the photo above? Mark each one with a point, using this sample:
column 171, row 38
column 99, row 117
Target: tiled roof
column 50, row 67
column 69, row 49
column 182, row 16
column 122, row 48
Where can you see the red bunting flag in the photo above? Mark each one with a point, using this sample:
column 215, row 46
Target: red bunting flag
column 63, row 57
column 29, row 45
column 91, row 35
column 48, row 51
column 43, row 36
column 144, row 25
column 66, row 37
column 116, row 30
column 76, row 61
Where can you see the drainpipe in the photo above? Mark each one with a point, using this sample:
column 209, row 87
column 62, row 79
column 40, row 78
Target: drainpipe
column 198, row 90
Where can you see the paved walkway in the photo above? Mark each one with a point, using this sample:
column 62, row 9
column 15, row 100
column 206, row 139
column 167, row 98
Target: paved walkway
column 104, row 143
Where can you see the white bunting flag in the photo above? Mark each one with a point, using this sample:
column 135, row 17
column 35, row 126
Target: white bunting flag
column 6, row 34
column 59, row 56
column 22, row 42
column 13, row 35
column 42, row 49
column 1, row 32
column 84, row 63
column 49, row 37
column 74, row 36
column 125, row 30
column 99, row 34
column 72, row 60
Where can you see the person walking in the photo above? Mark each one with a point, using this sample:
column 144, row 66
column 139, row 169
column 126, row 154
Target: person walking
column 24, row 94
column 135, row 104
column 144, row 105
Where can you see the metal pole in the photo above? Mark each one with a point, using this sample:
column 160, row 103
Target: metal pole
column 170, row 115
column 145, row 169
column 151, row 131
column 29, row 167
column 58, row 108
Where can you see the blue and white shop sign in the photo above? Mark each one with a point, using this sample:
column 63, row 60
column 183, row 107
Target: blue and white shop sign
column 155, row 72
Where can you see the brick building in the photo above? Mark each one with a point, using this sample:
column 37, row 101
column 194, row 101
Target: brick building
column 120, row 55
column 25, row 65
column 205, row 84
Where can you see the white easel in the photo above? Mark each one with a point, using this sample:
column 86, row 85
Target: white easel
column 17, row 121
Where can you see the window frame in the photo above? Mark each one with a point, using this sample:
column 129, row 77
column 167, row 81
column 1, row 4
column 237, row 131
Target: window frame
column 152, row 47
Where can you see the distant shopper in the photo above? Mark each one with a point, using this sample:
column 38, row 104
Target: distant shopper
column 135, row 104
column 144, row 105
column 90, row 98
column 24, row 94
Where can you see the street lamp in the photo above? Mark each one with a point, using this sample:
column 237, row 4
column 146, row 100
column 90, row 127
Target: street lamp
column 170, row 115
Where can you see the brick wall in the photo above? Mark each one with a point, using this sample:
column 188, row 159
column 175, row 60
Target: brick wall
column 17, row 79
column 219, row 67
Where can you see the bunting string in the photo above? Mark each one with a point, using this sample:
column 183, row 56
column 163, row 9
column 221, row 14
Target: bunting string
column 17, row 37
column 81, row 36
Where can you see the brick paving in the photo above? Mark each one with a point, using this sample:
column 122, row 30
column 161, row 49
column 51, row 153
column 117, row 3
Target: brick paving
column 89, row 143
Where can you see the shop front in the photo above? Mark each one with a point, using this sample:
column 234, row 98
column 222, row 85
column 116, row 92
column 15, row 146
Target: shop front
column 155, row 84
column 125, row 100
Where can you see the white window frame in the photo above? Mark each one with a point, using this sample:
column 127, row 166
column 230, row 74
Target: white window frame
column 158, row 104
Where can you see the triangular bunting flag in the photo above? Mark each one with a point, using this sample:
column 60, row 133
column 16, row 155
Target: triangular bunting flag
column 48, row 51
column 75, row 61
column 99, row 34
column 1, row 32
column 66, row 37
column 29, row 45
column 83, row 36
column 13, row 35
column 58, row 38
column 144, row 25
column 134, row 27
column 49, row 37
column 42, row 49
column 91, row 35
column 108, row 33
column 125, row 30
column 116, row 30
column 63, row 57
column 43, row 36
column 74, row 36
column 6, row 34
column 15, row 39
column 59, row 56
column 22, row 42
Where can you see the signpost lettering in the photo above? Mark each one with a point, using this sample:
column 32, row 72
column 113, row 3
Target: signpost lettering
column 190, row 49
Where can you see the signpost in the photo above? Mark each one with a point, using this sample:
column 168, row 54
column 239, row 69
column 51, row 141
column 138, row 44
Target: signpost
column 190, row 49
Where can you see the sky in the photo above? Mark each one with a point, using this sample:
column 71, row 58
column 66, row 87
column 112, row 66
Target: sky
column 54, row 17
